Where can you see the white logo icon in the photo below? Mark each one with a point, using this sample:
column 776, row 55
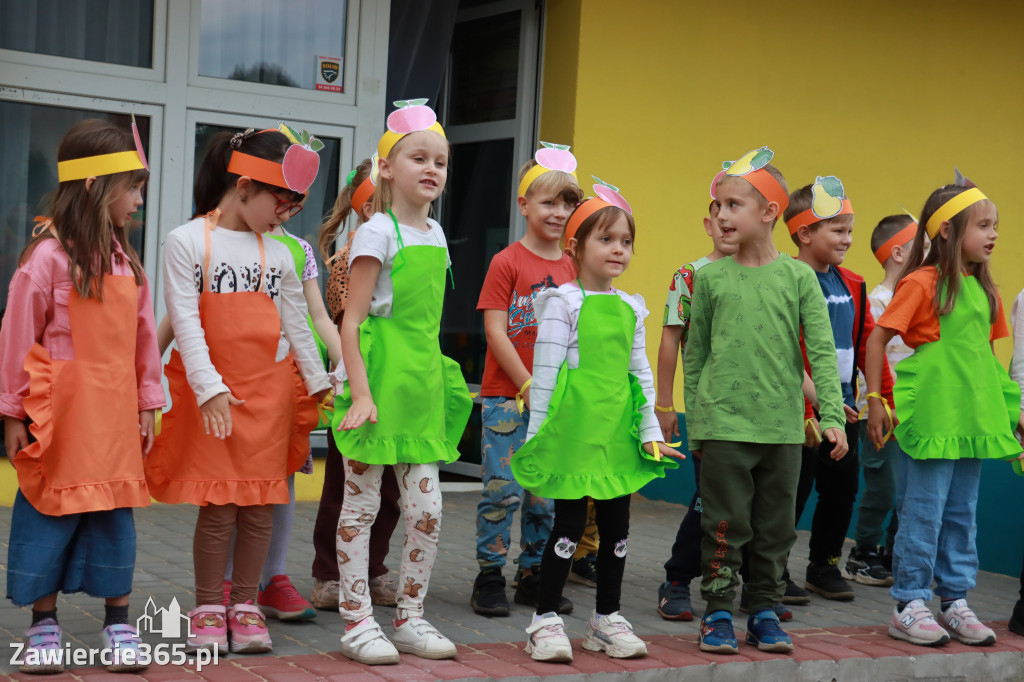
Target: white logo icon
column 166, row 622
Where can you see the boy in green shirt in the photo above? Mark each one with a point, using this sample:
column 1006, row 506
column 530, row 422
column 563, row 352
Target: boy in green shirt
column 742, row 375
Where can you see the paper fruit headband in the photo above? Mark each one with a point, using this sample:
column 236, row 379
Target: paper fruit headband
column 952, row 207
column 296, row 171
column 104, row 164
column 883, row 252
column 411, row 116
column 550, row 157
column 607, row 195
column 750, row 167
column 364, row 192
column 828, row 200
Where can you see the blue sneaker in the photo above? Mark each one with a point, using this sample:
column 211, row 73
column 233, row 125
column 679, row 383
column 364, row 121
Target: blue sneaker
column 674, row 601
column 716, row 633
column 765, row 632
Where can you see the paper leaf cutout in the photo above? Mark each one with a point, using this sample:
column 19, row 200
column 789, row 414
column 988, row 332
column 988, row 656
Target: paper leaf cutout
column 827, row 197
column 316, row 145
column 546, row 144
column 418, row 102
column 601, row 182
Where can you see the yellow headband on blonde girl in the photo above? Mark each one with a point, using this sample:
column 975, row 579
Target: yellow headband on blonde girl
column 607, row 195
column 949, row 209
column 828, row 201
column 104, row 164
column 750, row 167
column 884, row 251
column 411, row 116
column 550, row 157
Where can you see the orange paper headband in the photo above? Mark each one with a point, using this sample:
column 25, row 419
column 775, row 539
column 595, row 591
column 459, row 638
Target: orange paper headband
column 809, row 217
column 362, row 194
column 899, row 239
column 765, row 183
column 296, row 171
column 256, row 168
column 588, row 208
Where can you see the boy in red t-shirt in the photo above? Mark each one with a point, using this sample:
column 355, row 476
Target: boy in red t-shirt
column 548, row 193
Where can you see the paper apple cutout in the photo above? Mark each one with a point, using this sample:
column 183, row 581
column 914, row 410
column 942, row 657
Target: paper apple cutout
column 411, row 116
column 555, row 157
column 301, row 161
column 610, row 194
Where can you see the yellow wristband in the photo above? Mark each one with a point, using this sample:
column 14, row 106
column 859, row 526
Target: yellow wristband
column 888, row 412
column 659, row 408
column 520, row 403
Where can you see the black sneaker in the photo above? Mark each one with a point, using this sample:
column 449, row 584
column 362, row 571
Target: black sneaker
column 584, row 570
column 794, row 595
column 828, row 582
column 1016, row 624
column 885, row 556
column 865, row 567
column 526, row 593
column 489, row 593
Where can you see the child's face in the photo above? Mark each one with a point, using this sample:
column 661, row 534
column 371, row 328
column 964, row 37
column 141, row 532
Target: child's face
column 607, row 252
column 829, row 243
column 259, row 211
column 126, row 204
column 714, row 230
column 980, row 234
column 546, row 214
column 418, row 169
column 740, row 213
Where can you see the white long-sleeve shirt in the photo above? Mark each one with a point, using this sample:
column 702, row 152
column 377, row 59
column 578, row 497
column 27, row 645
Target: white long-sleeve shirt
column 234, row 266
column 1017, row 361
column 558, row 311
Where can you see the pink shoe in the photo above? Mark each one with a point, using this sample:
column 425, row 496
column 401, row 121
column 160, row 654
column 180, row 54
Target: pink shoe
column 209, row 629
column 281, row 600
column 248, row 629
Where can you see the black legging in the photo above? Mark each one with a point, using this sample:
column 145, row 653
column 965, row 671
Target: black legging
column 836, row 482
column 570, row 521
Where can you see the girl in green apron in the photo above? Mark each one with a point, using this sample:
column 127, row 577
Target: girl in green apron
column 402, row 404
column 947, row 308
column 593, row 433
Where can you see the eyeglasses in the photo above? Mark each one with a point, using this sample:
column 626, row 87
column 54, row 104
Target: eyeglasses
column 284, row 206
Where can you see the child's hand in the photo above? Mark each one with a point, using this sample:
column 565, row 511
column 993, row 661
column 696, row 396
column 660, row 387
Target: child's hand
column 147, row 429
column 362, row 409
column 525, row 395
column 664, row 450
column 217, row 414
column 851, row 414
column 878, row 423
column 322, row 395
column 812, row 433
column 837, row 436
column 15, row 436
column 669, row 422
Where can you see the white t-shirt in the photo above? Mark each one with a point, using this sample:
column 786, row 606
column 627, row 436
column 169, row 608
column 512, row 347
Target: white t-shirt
column 234, row 266
column 377, row 238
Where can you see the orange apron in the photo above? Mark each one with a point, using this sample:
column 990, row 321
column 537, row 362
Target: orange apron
column 87, row 455
column 270, row 432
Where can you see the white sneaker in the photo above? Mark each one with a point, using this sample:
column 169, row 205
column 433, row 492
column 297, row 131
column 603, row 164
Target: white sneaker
column 614, row 635
column 547, row 640
column 417, row 636
column 964, row 626
column 915, row 624
column 325, row 594
column 367, row 644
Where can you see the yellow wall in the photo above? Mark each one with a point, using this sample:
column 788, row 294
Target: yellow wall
column 886, row 96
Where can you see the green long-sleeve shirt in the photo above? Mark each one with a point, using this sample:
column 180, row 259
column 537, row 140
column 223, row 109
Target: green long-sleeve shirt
column 743, row 368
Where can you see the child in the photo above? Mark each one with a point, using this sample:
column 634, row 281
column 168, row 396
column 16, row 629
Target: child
column 79, row 324
column 684, row 563
column 946, row 307
column 356, row 198
column 548, row 193
column 890, row 242
column 1016, row 624
column 820, row 220
column 236, row 323
column 742, row 382
column 593, row 432
column 390, row 343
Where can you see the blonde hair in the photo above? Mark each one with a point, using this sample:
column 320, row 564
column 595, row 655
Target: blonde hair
column 342, row 208
column 559, row 183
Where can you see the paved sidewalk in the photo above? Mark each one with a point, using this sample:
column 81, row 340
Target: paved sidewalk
column 834, row 640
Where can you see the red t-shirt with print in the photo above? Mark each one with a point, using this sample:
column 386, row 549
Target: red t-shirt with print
column 513, row 280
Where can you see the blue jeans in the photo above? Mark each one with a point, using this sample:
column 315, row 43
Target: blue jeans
column 504, row 432
column 937, row 501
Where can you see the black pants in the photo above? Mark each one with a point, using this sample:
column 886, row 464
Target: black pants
column 836, row 483
column 570, row 521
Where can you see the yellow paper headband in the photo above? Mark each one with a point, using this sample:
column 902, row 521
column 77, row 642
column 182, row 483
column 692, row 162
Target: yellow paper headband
column 412, row 116
column 104, row 164
column 550, row 157
column 952, row 207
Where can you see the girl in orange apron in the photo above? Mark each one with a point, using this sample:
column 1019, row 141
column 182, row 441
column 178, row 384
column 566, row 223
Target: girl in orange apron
column 230, row 440
column 74, row 405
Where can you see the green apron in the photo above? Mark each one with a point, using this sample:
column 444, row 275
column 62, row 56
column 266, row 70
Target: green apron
column 953, row 398
column 405, row 369
column 589, row 444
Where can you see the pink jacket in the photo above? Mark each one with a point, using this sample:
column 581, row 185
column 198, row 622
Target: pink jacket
column 37, row 312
